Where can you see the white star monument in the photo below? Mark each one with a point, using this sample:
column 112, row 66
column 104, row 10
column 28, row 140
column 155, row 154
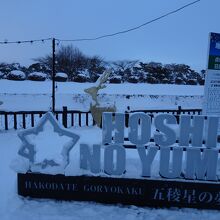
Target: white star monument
column 47, row 146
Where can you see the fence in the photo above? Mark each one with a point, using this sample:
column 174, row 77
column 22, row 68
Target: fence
column 70, row 118
column 25, row 119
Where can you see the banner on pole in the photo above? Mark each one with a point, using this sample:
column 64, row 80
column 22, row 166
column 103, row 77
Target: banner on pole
column 214, row 52
column 212, row 79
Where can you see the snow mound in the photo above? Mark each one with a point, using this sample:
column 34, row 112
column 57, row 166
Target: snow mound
column 61, row 77
column 60, row 74
column 37, row 76
column 16, row 75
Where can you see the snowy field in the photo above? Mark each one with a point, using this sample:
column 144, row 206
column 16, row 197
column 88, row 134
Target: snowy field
column 28, row 95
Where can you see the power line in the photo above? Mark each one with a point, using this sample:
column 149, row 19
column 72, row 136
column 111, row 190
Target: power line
column 134, row 28
column 25, row 41
column 105, row 35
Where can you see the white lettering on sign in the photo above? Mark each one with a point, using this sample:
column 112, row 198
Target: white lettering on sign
column 201, row 164
column 109, row 126
column 212, row 132
column 171, row 169
column 90, row 158
column 190, row 133
column 191, row 129
column 147, row 158
column 167, row 135
column 116, row 167
column 139, row 128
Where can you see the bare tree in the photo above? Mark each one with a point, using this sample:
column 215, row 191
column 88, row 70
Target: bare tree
column 72, row 61
column 69, row 59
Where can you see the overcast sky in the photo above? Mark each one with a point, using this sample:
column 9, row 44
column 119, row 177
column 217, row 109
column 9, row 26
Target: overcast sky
column 179, row 38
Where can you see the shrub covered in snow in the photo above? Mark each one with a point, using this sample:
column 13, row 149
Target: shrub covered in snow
column 115, row 77
column 61, row 77
column 1, row 75
column 16, row 75
column 165, row 81
column 115, row 80
column 192, row 82
column 72, row 65
column 179, row 81
column 82, row 76
column 37, row 76
column 38, row 67
column 133, row 79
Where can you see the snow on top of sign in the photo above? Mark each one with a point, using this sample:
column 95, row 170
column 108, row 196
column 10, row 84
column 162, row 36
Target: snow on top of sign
column 47, row 145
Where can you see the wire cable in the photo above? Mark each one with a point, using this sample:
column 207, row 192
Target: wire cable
column 133, row 28
column 105, row 35
column 25, row 41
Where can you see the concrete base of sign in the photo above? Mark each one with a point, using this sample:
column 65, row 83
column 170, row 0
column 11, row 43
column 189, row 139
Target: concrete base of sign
column 139, row 192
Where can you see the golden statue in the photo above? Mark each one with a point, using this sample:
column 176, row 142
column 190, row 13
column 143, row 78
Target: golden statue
column 95, row 106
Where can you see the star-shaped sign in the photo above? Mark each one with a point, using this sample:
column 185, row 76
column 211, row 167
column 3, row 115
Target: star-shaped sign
column 46, row 133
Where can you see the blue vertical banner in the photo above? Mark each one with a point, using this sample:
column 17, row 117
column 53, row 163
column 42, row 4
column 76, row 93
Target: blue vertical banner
column 214, row 52
column 211, row 104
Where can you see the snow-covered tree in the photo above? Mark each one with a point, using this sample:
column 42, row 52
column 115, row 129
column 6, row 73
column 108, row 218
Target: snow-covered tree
column 16, row 75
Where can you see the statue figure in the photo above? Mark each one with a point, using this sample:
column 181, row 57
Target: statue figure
column 95, row 107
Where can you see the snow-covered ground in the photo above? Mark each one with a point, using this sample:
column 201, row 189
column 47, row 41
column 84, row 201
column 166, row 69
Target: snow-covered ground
column 33, row 87
column 14, row 207
column 141, row 96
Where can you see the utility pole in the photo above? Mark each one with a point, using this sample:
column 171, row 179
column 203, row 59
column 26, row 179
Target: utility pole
column 53, row 75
